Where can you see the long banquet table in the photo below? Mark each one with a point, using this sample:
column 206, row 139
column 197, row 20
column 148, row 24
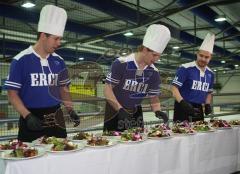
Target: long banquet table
column 204, row 153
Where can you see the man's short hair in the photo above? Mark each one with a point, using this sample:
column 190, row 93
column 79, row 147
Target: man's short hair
column 39, row 33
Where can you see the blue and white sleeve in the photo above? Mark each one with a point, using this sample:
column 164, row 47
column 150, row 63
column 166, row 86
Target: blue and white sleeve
column 115, row 74
column 14, row 80
column 210, row 89
column 180, row 77
column 63, row 76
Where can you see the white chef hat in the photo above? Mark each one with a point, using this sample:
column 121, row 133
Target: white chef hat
column 208, row 43
column 52, row 20
column 157, row 37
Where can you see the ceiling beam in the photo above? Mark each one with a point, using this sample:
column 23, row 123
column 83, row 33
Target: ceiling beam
column 224, row 2
column 121, row 13
column 207, row 14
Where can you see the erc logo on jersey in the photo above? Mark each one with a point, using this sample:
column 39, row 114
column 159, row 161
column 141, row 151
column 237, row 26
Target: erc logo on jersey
column 132, row 85
column 41, row 79
column 200, row 86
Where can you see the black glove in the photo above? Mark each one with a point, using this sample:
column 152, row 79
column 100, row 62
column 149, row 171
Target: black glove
column 162, row 115
column 208, row 109
column 123, row 114
column 187, row 107
column 33, row 122
column 74, row 117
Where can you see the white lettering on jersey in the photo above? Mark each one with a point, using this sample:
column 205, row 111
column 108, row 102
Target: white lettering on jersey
column 41, row 79
column 34, row 79
column 198, row 85
column 127, row 84
column 132, row 85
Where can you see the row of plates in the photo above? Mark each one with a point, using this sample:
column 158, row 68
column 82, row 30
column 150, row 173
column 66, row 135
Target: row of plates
column 43, row 149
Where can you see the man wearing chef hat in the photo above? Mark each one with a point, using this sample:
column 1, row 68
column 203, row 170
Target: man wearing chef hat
column 192, row 86
column 33, row 71
column 133, row 78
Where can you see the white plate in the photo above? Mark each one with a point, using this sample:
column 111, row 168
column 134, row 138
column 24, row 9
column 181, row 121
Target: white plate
column 5, row 155
column 45, row 146
column 114, row 138
column 159, row 138
column 111, row 143
column 132, row 142
column 80, row 147
column 78, row 141
column 184, row 134
column 223, row 128
column 210, row 130
column 234, row 125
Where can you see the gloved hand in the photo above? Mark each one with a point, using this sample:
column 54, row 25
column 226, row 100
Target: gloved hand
column 187, row 107
column 123, row 114
column 33, row 122
column 208, row 109
column 74, row 117
column 162, row 115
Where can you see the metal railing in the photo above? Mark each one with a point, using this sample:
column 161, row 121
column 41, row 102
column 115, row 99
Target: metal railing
column 9, row 126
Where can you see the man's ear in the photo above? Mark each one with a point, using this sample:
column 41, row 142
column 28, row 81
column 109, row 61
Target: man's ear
column 144, row 50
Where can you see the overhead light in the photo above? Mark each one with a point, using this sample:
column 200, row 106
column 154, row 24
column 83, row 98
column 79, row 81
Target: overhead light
column 220, row 19
column 159, row 60
column 236, row 65
column 81, row 58
column 215, row 70
column 176, row 47
column 128, row 34
column 223, row 61
column 28, row 4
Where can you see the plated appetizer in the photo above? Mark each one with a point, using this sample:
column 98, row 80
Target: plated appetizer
column 82, row 136
column 111, row 133
column 99, row 141
column 202, row 126
column 13, row 144
column 234, row 122
column 23, row 153
column 64, row 146
column 158, row 133
column 50, row 140
column 220, row 124
column 183, row 128
column 131, row 137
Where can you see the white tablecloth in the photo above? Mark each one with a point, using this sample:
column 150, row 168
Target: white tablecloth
column 205, row 153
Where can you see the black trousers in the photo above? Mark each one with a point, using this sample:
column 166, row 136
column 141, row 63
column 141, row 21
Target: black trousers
column 112, row 123
column 26, row 135
column 180, row 115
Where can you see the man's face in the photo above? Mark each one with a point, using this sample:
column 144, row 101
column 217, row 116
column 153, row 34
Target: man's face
column 51, row 43
column 150, row 57
column 203, row 58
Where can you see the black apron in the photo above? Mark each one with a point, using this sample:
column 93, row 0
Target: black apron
column 111, row 122
column 26, row 135
column 180, row 115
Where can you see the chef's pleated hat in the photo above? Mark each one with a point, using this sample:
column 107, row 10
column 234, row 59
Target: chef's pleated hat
column 157, row 37
column 52, row 20
column 208, row 43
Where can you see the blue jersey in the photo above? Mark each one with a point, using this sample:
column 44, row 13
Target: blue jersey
column 32, row 76
column 131, row 85
column 194, row 84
